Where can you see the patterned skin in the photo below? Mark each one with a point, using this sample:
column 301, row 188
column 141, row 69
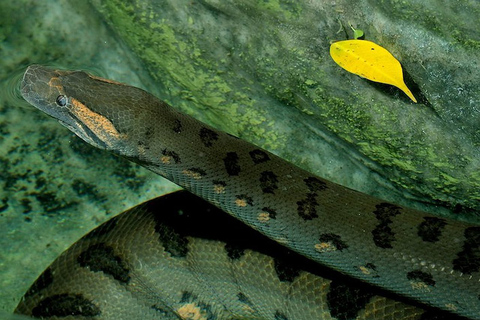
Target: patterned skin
column 432, row 260
column 169, row 256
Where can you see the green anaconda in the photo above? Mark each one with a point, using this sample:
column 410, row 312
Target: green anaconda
column 172, row 256
column 432, row 260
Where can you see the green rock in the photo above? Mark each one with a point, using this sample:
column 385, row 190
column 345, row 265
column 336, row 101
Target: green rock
column 253, row 63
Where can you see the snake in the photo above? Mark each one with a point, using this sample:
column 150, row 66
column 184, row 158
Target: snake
column 430, row 260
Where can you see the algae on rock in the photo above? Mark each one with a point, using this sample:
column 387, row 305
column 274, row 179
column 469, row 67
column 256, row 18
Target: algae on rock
column 259, row 66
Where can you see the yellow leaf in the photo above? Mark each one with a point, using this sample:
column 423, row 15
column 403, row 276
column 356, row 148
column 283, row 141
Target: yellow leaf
column 370, row 61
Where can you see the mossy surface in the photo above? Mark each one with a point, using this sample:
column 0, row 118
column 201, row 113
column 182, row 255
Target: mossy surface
column 245, row 61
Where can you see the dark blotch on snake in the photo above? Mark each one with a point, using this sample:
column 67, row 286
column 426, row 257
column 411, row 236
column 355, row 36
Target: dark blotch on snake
column 64, row 305
column 101, row 257
column 345, row 302
column 306, row 208
column 259, row 156
column 243, row 197
column 187, row 296
column 468, row 260
column 234, row 252
column 171, row 154
column 285, row 272
column 208, row 137
column 383, row 236
column 315, row 184
column 268, row 182
column 334, row 239
column 272, row 214
column 173, row 242
column 231, row 164
column 369, row 269
column 420, row 276
column 431, row 228
column 177, row 126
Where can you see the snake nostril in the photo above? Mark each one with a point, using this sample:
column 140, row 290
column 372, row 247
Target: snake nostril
column 61, row 100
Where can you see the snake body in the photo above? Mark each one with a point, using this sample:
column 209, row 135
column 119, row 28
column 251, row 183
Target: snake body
column 432, row 260
column 192, row 267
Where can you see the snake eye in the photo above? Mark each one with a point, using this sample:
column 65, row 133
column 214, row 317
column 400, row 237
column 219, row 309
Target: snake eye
column 61, row 100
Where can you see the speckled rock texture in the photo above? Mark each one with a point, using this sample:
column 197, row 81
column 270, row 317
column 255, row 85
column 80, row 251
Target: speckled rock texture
column 257, row 69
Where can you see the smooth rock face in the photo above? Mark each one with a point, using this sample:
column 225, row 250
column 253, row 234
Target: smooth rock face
column 259, row 62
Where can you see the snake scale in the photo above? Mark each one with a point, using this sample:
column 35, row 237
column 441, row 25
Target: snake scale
column 434, row 261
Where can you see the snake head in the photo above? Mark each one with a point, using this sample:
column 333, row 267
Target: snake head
column 72, row 98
